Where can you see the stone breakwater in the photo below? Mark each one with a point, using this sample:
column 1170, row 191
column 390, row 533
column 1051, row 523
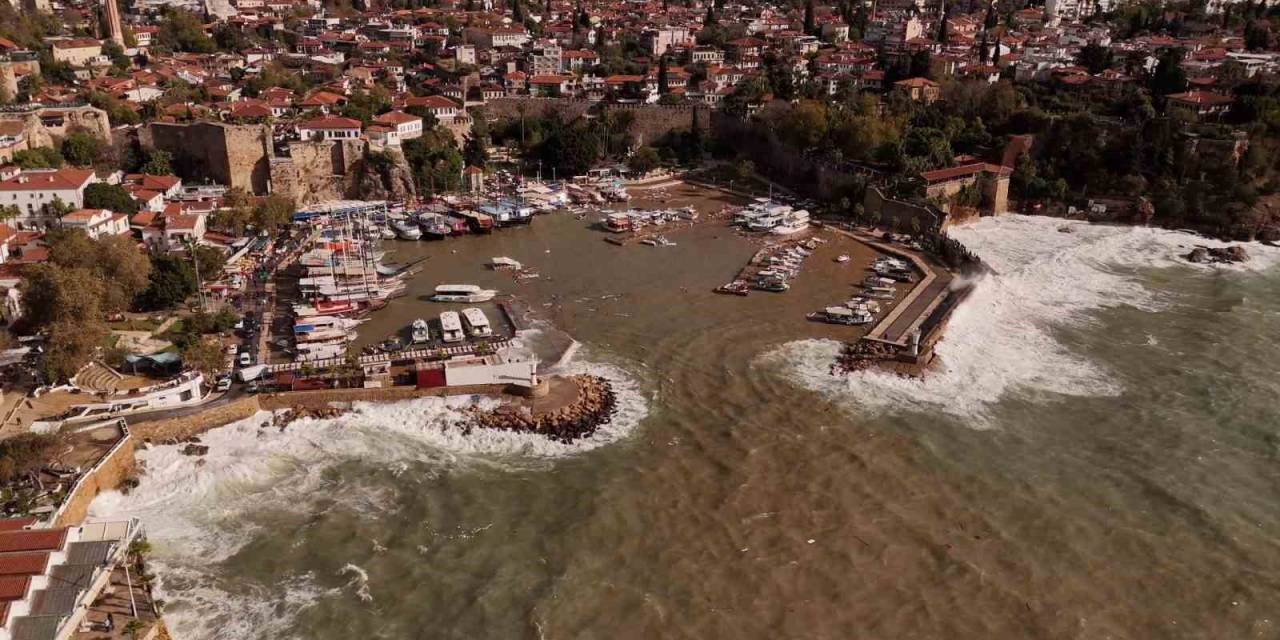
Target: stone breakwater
column 593, row 406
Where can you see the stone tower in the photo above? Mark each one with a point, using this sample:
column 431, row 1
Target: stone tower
column 115, row 30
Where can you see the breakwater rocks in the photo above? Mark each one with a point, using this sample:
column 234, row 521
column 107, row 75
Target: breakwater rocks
column 593, row 405
column 1215, row 255
column 863, row 354
column 289, row 416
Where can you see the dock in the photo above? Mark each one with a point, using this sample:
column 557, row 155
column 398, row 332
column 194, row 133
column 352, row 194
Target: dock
column 389, row 358
column 624, row 239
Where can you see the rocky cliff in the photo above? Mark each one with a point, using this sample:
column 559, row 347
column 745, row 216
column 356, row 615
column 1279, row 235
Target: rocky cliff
column 333, row 170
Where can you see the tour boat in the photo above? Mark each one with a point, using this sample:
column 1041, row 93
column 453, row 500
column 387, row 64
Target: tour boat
column 476, row 323
column 419, row 331
column 462, row 293
column 792, row 222
column 841, row 315
column 451, row 328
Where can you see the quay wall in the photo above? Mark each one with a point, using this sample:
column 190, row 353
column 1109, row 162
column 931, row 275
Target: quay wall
column 109, row 473
column 183, row 427
column 327, row 398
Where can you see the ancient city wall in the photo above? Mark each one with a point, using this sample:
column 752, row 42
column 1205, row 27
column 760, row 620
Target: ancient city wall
column 234, row 155
column 44, row 127
column 316, row 171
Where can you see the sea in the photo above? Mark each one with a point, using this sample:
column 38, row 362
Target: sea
column 1096, row 454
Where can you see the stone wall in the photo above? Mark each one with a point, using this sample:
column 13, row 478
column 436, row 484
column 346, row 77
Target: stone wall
column 45, row 127
column 234, row 155
column 317, row 171
column 108, row 475
column 11, row 70
column 183, row 427
column 327, row 398
column 899, row 215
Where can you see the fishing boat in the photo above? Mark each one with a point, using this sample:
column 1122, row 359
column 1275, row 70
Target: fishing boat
column 736, row 288
column 451, row 328
column 434, row 227
column 664, row 241
column 476, row 323
column 462, row 293
column 406, row 231
column 842, row 258
column 772, row 284
column 880, row 293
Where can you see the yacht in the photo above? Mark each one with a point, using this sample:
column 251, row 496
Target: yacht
column 462, row 293
column 476, row 323
column 792, row 222
column 841, row 315
column 419, row 331
column 451, row 328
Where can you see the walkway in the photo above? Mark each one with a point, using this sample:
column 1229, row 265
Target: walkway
column 388, row 358
column 897, row 326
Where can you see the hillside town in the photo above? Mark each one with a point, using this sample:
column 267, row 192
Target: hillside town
column 195, row 197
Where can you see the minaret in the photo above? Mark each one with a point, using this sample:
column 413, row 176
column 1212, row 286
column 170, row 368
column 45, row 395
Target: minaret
column 115, row 30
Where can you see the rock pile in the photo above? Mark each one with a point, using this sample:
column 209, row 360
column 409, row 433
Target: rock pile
column 288, row 417
column 1208, row 255
column 862, row 355
column 594, row 407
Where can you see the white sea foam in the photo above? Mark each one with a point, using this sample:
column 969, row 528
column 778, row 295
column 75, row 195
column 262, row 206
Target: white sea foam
column 199, row 511
column 1002, row 338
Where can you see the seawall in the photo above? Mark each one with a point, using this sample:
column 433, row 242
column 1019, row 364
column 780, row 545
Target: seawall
column 110, row 472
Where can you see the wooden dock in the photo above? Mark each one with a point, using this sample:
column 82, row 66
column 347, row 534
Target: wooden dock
column 623, row 239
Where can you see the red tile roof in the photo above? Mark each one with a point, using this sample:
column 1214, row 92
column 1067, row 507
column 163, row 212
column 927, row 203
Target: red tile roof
column 962, row 171
column 1205, row 98
column 14, row 587
column 15, row 524
column 43, row 180
column 330, row 123
column 38, row 540
column 24, row 564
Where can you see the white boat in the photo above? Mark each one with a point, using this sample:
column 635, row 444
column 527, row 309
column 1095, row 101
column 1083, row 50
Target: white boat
column 842, row 258
column 419, row 331
column 406, row 230
column 881, row 293
column 462, row 293
column 792, row 222
column 476, row 323
column 503, row 262
column 451, row 328
column 841, row 315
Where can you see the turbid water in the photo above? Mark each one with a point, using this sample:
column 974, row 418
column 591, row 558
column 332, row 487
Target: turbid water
column 1095, row 458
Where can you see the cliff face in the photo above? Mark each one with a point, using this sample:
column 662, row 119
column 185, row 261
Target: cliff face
column 383, row 176
column 333, row 170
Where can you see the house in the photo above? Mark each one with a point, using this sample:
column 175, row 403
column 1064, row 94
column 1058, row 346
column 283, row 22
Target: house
column 918, row 89
column 77, row 52
column 406, row 126
column 991, row 181
column 330, row 128
column 97, row 223
column 35, row 191
column 13, row 138
column 444, row 109
column 1198, row 105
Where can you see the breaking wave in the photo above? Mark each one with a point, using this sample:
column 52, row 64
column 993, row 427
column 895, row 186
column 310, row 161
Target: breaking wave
column 1004, row 337
column 199, row 511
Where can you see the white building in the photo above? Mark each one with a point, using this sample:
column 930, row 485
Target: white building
column 35, row 191
column 330, row 128
column 97, row 223
column 406, row 126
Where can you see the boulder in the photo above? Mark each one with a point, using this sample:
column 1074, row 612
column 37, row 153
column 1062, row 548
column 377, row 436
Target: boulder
column 1206, row 255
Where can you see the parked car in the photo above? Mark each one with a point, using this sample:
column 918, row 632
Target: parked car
column 224, row 384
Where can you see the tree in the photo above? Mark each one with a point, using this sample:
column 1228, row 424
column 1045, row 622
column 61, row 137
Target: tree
column 211, row 261
column 809, row 25
column 120, row 269
column 114, row 197
column 663, row 86
column 70, row 344
column 644, row 160
column 182, row 30
column 38, row 158
column 273, row 212
column 1095, row 57
column 204, row 355
column 1168, row 76
column 172, row 281
column 157, row 164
